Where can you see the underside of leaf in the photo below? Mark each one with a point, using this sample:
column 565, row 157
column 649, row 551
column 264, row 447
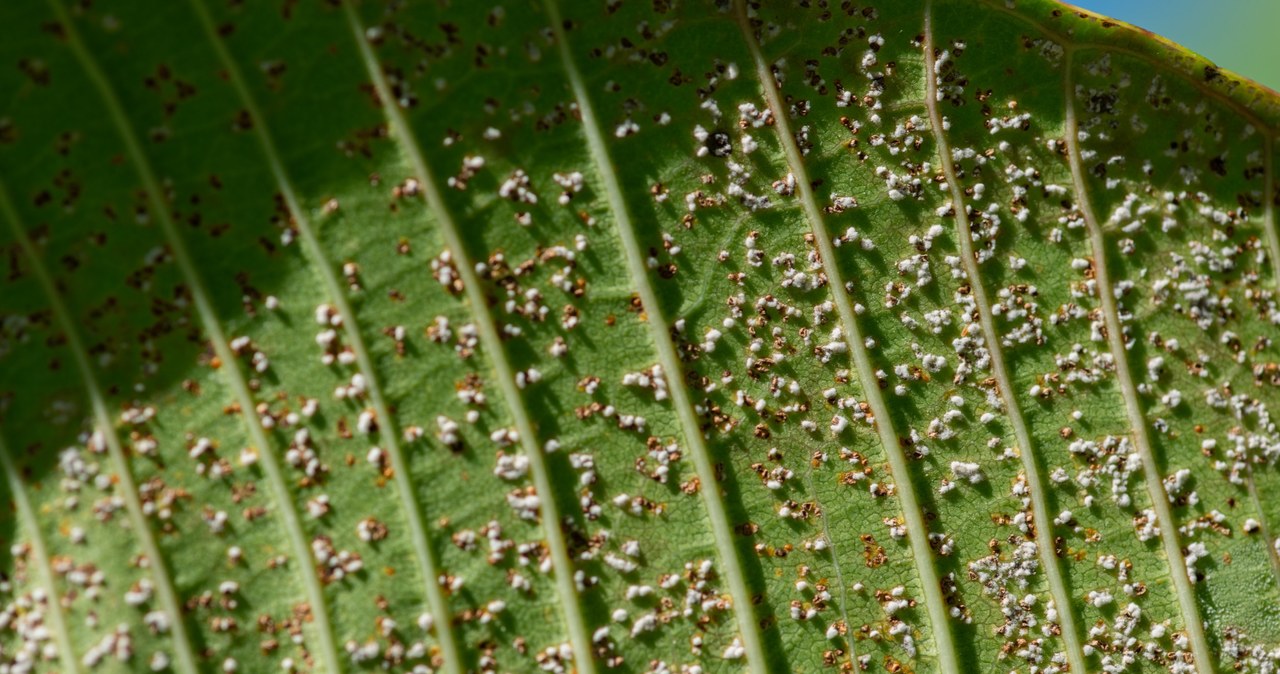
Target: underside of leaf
column 670, row 337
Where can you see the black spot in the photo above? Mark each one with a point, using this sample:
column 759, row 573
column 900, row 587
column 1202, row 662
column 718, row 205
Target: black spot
column 1102, row 102
column 1218, row 165
column 719, row 144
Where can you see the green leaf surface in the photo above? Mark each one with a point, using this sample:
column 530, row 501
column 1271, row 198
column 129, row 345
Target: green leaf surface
column 670, row 337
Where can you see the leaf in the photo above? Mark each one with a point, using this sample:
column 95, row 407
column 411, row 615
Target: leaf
column 928, row 336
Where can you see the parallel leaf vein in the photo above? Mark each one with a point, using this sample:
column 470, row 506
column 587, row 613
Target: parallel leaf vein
column 165, row 593
column 1035, row 482
column 1264, row 528
column 44, row 572
column 918, row 536
column 851, row 642
column 386, row 424
column 485, row 324
column 1133, row 406
column 1270, row 193
column 1272, row 233
column 208, row 317
column 681, row 401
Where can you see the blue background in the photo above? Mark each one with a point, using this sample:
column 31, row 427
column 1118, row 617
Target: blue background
column 1239, row 35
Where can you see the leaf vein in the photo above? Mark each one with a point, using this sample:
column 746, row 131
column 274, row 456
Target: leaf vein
column 835, row 562
column 1133, row 406
column 1069, row 45
column 1270, row 194
column 918, row 537
column 164, row 587
column 492, row 344
column 681, row 400
column 386, row 427
column 1031, row 470
column 208, row 317
column 27, row 515
column 1269, row 226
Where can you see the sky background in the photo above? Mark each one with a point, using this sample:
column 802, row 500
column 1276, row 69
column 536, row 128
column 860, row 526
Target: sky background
column 1238, row 35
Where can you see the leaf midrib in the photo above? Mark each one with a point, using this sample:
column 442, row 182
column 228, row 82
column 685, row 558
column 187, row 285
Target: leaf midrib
column 230, row 368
